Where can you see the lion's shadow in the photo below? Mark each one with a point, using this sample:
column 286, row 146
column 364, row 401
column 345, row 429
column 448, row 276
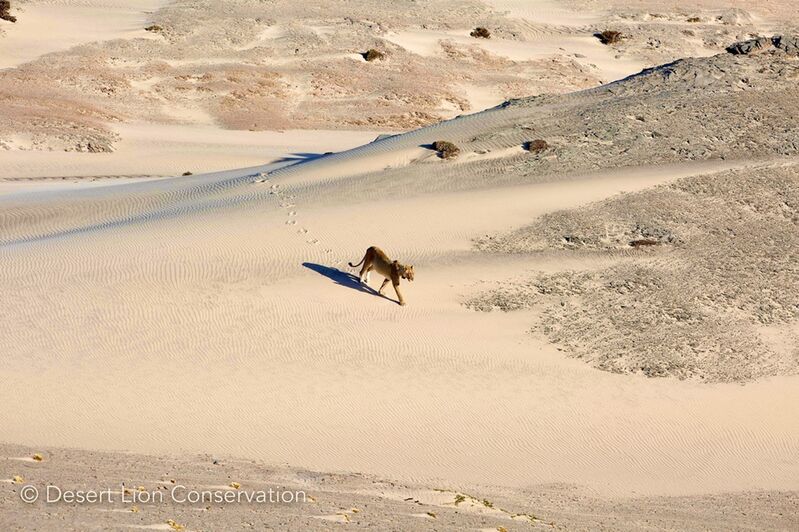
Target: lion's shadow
column 342, row 278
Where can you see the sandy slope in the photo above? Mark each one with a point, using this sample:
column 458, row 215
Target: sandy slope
column 251, row 65
column 215, row 313
column 49, row 26
column 170, row 149
column 234, row 331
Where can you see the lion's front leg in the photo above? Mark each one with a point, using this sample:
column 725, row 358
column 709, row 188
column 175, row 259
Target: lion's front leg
column 383, row 286
column 399, row 294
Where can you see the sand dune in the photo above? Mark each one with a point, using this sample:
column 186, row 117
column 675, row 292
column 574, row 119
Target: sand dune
column 45, row 27
column 173, row 149
column 215, row 313
column 238, row 329
column 253, row 66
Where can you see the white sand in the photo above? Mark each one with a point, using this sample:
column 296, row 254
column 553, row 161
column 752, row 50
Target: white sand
column 171, row 149
column 216, row 338
column 51, row 26
column 206, row 314
column 585, row 49
column 548, row 12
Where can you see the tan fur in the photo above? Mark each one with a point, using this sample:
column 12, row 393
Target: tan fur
column 376, row 259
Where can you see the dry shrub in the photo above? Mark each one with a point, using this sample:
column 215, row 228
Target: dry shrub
column 694, row 20
column 373, row 55
column 187, row 173
column 641, row 242
column 446, row 149
column 609, row 37
column 5, row 7
column 536, row 146
column 155, row 28
column 480, row 33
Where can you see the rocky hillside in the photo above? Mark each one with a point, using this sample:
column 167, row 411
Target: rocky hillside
column 704, row 282
column 254, row 65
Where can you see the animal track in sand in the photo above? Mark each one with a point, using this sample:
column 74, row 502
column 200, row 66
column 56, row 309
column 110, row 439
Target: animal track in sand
column 285, row 201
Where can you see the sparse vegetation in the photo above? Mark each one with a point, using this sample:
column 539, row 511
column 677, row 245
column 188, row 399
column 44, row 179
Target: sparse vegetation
column 694, row 19
column 609, row 37
column 373, row 55
column 5, row 8
column 480, row 33
column 732, row 239
column 642, row 242
column 174, row 525
column 459, row 499
column 536, row 146
column 446, row 149
column 187, row 173
column 154, row 28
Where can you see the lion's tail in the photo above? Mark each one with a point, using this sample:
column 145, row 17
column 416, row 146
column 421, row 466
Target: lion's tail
column 356, row 265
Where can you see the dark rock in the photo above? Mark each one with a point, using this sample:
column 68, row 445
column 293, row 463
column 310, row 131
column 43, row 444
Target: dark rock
column 749, row 47
column 787, row 43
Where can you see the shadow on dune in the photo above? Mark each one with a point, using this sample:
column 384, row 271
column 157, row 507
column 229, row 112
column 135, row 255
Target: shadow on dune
column 339, row 277
column 299, row 158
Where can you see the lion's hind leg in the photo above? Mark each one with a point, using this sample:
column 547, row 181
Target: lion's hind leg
column 364, row 275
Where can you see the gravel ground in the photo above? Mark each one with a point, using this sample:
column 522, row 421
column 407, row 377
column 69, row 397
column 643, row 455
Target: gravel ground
column 335, row 501
column 708, row 265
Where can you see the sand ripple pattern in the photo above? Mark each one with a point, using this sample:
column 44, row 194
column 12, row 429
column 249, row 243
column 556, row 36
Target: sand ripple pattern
column 192, row 314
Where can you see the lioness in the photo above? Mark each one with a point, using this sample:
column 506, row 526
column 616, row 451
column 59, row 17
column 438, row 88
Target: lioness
column 376, row 259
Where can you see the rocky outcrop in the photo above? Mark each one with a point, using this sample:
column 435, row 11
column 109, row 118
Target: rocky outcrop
column 787, row 43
